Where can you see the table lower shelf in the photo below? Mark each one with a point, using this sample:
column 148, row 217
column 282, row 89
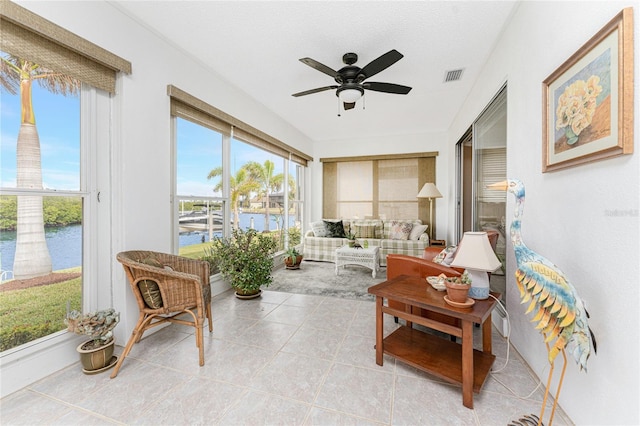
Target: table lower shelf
column 436, row 356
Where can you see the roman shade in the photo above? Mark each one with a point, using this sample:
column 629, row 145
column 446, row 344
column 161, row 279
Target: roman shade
column 30, row 37
column 190, row 108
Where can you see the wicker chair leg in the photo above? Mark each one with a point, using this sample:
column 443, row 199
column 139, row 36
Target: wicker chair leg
column 138, row 330
column 209, row 318
column 200, row 341
column 123, row 355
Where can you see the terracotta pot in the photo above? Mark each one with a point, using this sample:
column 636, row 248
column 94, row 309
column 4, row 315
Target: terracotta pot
column 95, row 358
column 293, row 265
column 457, row 292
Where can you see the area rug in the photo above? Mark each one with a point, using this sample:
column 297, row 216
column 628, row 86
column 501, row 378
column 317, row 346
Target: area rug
column 319, row 278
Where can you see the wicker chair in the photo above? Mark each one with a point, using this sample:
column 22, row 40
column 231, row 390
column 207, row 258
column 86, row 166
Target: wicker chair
column 167, row 286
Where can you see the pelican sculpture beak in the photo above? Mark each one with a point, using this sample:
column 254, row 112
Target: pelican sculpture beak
column 499, row 186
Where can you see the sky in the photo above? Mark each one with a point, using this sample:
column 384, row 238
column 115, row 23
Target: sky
column 58, row 124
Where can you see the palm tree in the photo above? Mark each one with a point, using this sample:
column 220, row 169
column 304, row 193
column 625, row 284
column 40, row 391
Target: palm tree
column 264, row 175
column 241, row 184
column 32, row 257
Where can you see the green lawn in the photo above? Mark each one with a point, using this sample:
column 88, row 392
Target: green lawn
column 195, row 251
column 29, row 314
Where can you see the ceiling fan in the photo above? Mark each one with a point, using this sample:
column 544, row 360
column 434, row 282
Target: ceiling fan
column 351, row 79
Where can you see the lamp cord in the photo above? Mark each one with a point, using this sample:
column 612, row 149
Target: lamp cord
column 495, row 371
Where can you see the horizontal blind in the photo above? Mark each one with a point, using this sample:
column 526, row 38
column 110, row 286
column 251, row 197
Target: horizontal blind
column 30, row 37
column 200, row 110
column 494, row 170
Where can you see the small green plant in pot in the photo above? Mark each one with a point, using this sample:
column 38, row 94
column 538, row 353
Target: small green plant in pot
column 292, row 258
column 352, row 239
column 96, row 355
column 458, row 287
column 245, row 260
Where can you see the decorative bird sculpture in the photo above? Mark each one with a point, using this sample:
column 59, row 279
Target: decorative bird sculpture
column 560, row 314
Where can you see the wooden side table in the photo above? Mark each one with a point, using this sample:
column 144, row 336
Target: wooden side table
column 456, row 363
column 438, row 243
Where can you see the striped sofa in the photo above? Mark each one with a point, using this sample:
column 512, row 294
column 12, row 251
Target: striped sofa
column 324, row 248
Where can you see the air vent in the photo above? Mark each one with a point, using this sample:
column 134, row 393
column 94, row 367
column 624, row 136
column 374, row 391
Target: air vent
column 453, row 75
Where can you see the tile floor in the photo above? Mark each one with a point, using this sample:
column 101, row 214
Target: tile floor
column 283, row 359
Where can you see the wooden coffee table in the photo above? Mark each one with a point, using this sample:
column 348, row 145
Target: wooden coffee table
column 367, row 257
column 456, row 363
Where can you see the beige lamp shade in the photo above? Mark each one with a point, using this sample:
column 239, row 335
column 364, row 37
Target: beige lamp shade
column 429, row 190
column 477, row 257
column 475, row 252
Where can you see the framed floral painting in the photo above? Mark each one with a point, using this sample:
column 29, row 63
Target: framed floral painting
column 588, row 100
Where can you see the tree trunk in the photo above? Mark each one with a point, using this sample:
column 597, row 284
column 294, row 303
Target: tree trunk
column 32, row 257
column 266, row 212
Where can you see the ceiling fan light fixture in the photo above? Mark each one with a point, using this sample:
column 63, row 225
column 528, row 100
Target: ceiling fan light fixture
column 350, row 94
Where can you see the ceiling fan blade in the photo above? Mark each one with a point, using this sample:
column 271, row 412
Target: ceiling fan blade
column 349, row 105
column 387, row 88
column 381, row 64
column 320, row 67
column 319, row 89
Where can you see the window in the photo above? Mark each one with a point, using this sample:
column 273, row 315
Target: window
column 228, row 174
column 54, row 187
column 295, row 211
column 397, row 183
column 43, row 208
column 199, row 200
column 354, row 195
column 378, row 187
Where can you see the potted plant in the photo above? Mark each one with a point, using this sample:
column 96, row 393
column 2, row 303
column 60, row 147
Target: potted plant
column 458, row 287
column 245, row 260
column 352, row 239
column 292, row 258
column 96, row 355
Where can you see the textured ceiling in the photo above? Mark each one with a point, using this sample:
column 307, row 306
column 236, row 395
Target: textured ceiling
column 256, row 46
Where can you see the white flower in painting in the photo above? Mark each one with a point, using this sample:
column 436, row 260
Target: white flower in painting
column 577, row 105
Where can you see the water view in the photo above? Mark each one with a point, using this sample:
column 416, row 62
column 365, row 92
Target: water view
column 65, row 242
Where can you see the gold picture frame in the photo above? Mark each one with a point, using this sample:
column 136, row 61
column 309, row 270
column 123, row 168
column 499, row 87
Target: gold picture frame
column 588, row 101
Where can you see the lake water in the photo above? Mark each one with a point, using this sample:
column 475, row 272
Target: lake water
column 65, row 242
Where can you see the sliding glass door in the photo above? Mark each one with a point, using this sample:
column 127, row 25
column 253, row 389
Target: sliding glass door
column 481, row 161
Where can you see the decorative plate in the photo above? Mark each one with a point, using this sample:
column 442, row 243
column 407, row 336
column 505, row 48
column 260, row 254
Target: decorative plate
column 435, row 283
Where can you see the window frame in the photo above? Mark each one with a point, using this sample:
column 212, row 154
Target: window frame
column 35, row 356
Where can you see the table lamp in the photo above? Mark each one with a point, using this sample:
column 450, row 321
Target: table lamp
column 475, row 254
column 429, row 191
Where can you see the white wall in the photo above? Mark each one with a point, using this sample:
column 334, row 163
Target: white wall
column 565, row 217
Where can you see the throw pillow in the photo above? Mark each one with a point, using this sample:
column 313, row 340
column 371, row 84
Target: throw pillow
column 152, row 261
column 363, row 231
column 445, row 257
column 400, row 230
column 417, row 231
column 335, row 229
column 319, row 229
column 150, row 293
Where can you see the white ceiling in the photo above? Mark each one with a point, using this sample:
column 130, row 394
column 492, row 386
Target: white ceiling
column 256, row 46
